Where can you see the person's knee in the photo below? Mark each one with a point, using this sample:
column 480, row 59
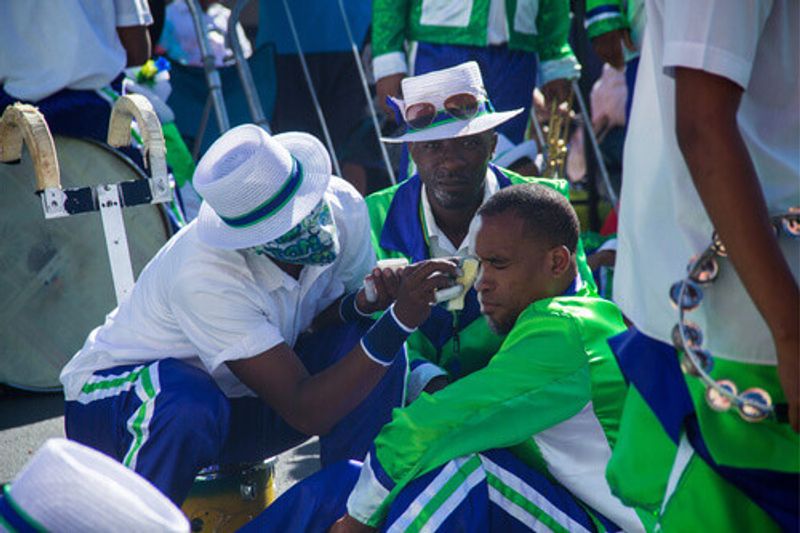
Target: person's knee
column 197, row 408
column 192, row 403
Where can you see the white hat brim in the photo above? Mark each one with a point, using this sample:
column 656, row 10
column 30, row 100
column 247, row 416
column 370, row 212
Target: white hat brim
column 67, row 486
column 316, row 165
column 527, row 149
column 457, row 128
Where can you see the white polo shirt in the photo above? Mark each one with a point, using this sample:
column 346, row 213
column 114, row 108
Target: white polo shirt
column 440, row 246
column 67, row 44
column 206, row 306
column 662, row 221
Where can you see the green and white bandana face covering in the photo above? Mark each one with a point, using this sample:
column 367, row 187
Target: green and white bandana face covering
column 311, row 242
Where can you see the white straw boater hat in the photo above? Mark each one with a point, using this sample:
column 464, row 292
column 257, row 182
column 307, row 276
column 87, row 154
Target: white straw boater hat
column 436, row 87
column 67, row 486
column 256, row 187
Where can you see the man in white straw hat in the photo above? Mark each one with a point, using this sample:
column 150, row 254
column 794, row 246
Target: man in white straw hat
column 204, row 362
column 519, row 45
column 69, row 487
column 451, row 134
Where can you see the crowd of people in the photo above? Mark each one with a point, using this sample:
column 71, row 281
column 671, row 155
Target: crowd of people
column 535, row 403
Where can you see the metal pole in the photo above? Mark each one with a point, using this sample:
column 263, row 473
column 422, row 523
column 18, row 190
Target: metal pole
column 537, row 127
column 595, row 146
column 212, row 76
column 367, row 95
column 310, row 84
column 243, row 67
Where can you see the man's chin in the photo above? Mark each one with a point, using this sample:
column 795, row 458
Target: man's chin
column 453, row 202
column 498, row 327
column 455, row 198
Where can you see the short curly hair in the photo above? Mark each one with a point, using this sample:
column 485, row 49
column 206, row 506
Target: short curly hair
column 546, row 213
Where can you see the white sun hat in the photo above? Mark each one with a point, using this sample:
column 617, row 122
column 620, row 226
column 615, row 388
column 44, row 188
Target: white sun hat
column 507, row 153
column 434, row 88
column 256, row 187
column 68, row 487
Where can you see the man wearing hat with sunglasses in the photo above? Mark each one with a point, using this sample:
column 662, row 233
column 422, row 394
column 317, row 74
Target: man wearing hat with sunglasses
column 519, row 45
column 204, row 363
column 450, row 125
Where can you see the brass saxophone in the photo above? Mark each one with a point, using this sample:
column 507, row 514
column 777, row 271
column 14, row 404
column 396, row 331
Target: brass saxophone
column 557, row 132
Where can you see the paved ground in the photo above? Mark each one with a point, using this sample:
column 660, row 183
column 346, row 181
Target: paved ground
column 27, row 420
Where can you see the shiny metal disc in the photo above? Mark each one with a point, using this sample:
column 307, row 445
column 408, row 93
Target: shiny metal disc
column 755, row 413
column 718, row 401
column 718, row 246
column 790, row 225
column 704, row 358
column 692, row 295
column 693, row 333
column 704, row 273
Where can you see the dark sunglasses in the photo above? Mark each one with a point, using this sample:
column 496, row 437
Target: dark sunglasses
column 462, row 106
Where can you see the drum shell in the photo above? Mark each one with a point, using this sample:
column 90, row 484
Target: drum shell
column 55, row 278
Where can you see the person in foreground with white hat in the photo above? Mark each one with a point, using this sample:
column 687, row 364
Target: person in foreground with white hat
column 451, row 125
column 204, row 362
column 69, row 487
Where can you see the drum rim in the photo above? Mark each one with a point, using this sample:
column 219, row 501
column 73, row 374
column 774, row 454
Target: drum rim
column 108, row 148
column 226, row 470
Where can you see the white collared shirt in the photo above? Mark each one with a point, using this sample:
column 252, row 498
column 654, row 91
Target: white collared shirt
column 662, row 221
column 71, row 44
column 207, row 306
column 440, row 246
column 438, row 243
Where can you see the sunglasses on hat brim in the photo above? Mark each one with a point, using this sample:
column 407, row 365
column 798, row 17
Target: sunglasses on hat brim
column 461, row 106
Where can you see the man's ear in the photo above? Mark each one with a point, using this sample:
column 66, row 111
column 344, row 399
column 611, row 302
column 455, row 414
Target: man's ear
column 559, row 260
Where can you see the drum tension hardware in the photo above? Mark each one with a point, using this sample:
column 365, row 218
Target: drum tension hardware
column 753, row 404
column 23, row 122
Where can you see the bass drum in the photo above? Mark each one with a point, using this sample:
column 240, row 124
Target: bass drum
column 55, row 277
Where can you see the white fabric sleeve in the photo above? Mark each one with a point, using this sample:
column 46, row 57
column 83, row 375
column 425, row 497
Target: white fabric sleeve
column 419, row 378
column 388, row 64
column 556, row 69
column 368, row 493
column 353, row 229
column 132, row 13
column 216, row 312
column 717, row 36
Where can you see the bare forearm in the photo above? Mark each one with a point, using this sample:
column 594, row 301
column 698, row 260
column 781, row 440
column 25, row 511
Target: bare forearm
column 726, row 181
column 326, row 397
column 314, row 404
column 311, row 404
column 136, row 42
column 323, row 399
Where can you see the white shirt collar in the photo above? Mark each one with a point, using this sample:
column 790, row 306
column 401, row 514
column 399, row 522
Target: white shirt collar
column 438, row 243
column 276, row 278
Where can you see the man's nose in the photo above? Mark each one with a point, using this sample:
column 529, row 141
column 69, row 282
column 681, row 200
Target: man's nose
column 451, row 154
column 482, row 282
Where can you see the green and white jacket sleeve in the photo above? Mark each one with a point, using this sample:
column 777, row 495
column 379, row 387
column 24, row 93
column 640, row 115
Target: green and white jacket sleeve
column 556, row 60
column 539, row 378
column 389, row 21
